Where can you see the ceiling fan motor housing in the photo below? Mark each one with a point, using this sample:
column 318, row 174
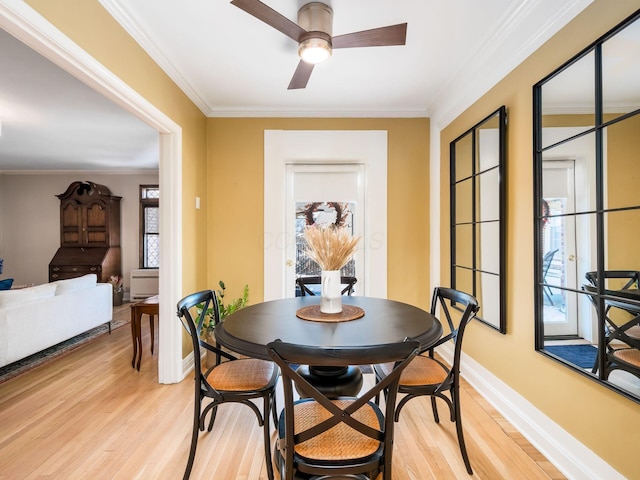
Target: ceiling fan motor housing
column 317, row 19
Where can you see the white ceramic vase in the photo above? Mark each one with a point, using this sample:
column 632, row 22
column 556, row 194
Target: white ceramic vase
column 330, row 297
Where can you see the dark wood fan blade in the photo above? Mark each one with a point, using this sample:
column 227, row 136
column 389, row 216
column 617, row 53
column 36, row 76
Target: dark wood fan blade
column 269, row 16
column 377, row 37
column 301, row 76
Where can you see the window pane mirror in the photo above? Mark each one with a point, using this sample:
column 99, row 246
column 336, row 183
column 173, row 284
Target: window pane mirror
column 587, row 211
column 477, row 216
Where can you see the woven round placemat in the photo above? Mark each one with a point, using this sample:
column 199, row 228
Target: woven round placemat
column 313, row 313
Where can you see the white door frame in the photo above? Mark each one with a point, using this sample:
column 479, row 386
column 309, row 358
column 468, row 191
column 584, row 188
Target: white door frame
column 319, row 189
column 562, row 185
column 582, row 152
column 283, row 147
column 27, row 25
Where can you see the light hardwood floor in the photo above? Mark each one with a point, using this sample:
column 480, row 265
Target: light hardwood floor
column 89, row 415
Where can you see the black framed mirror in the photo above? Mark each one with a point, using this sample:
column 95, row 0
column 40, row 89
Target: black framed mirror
column 587, row 210
column 477, row 160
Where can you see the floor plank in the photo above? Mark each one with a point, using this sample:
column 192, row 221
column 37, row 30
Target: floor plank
column 89, row 415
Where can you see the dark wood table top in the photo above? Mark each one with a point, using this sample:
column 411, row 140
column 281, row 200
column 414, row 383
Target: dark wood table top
column 249, row 330
column 632, row 294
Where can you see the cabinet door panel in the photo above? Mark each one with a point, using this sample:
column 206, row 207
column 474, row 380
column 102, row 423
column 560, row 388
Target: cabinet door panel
column 95, row 228
column 96, row 216
column 71, row 225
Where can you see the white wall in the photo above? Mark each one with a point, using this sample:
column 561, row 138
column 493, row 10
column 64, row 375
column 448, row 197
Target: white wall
column 30, row 219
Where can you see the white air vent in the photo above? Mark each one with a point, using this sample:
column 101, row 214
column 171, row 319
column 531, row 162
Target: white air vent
column 144, row 284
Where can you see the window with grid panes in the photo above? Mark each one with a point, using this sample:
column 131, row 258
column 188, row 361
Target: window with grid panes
column 149, row 226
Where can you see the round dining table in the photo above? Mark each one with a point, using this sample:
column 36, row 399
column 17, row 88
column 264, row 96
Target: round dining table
column 248, row 331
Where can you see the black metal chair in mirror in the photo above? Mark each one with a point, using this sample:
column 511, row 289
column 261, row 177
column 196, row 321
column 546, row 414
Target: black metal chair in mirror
column 232, row 380
column 344, row 437
column 546, row 264
column 426, row 375
column 621, row 320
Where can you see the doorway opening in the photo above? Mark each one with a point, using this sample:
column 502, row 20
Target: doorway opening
column 311, row 166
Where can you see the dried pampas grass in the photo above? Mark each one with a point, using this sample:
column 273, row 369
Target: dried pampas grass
column 330, row 247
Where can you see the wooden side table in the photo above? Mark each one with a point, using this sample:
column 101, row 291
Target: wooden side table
column 151, row 307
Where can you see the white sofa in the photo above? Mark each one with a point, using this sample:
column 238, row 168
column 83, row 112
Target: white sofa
column 35, row 318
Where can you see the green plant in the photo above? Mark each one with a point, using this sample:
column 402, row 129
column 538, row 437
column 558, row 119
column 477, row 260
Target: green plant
column 235, row 304
column 225, row 309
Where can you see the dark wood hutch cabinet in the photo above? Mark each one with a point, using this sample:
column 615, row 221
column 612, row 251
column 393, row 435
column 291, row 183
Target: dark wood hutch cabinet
column 89, row 233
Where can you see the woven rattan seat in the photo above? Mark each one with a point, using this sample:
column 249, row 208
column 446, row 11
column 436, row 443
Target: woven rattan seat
column 427, row 376
column 347, row 437
column 340, row 442
column 232, row 380
column 634, row 332
column 242, row 375
column 628, row 355
column 422, row 370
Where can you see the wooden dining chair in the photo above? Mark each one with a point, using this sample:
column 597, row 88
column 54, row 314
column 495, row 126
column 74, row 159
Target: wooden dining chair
column 304, row 282
column 427, row 375
column 344, row 437
column 229, row 380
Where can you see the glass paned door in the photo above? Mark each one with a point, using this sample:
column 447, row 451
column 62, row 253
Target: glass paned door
column 322, row 214
column 323, row 194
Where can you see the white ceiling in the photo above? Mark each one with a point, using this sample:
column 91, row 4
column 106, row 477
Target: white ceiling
column 52, row 121
column 232, row 64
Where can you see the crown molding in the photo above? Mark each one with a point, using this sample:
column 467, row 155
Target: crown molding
column 289, row 113
column 527, row 25
column 619, row 108
column 524, row 27
column 81, row 172
column 122, row 14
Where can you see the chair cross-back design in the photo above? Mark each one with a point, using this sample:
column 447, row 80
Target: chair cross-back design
column 340, row 436
column 304, row 282
column 233, row 380
column 428, row 376
column 627, row 356
column 546, row 263
column 629, row 278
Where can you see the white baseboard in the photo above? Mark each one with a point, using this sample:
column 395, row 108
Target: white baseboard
column 572, row 458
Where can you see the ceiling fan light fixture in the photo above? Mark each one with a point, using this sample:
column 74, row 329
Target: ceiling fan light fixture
column 316, row 19
column 314, row 50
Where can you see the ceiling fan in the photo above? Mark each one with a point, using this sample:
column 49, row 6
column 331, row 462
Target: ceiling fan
column 313, row 32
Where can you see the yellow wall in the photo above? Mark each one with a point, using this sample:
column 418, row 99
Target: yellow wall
column 90, row 26
column 235, row 178
column 604, row 421
column 623, row 228
column 622, row 177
